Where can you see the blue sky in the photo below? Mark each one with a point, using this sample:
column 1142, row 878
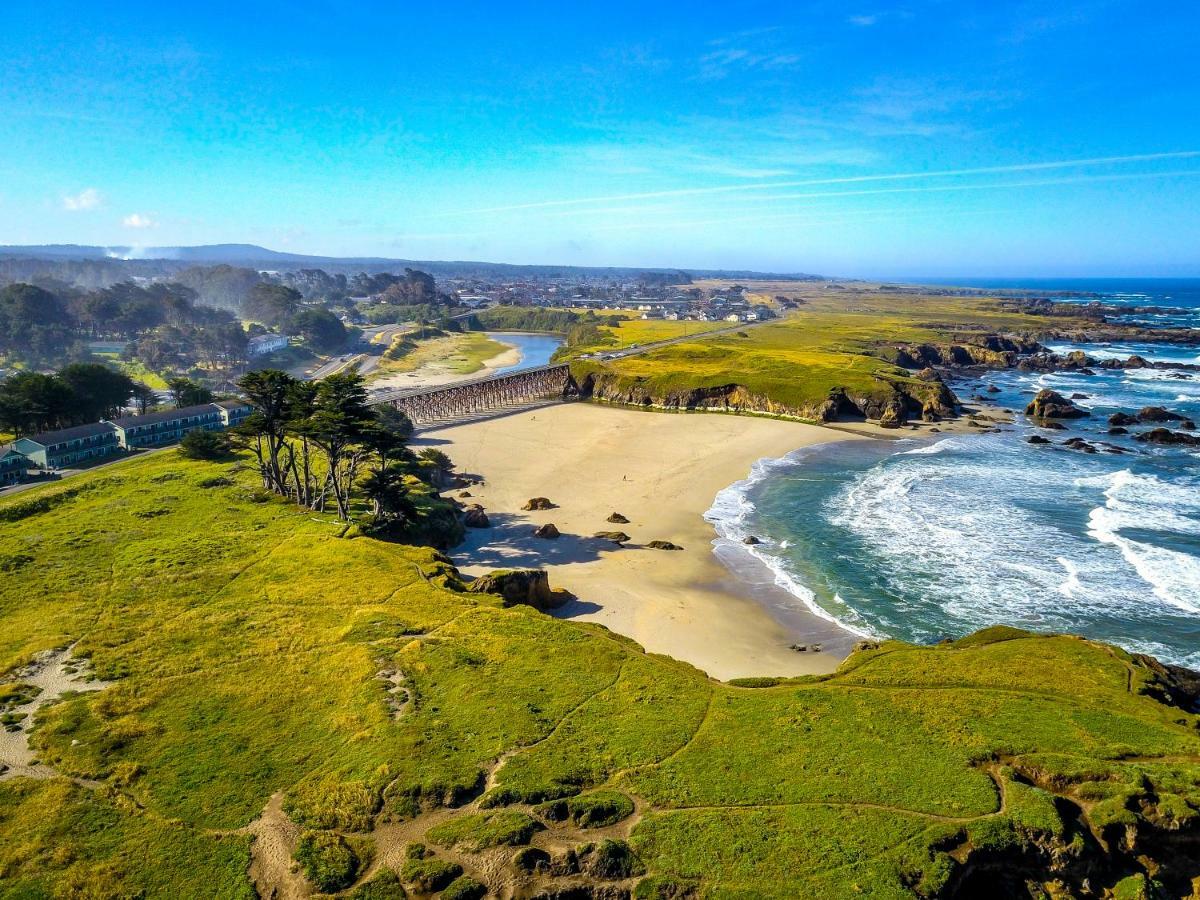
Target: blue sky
column 931, row 137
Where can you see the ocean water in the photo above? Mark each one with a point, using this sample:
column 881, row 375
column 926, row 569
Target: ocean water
column 925, row 539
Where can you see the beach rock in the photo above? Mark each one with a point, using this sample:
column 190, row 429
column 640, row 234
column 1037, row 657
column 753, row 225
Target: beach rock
column 893, row 415
column 663, row 545
column 1079, row 396
column 465, row 494
column 475, row 517
column 1036, row 439
column 547, row 531
column 799, row 648
column 535, row 503
column 617, row 537
column 992, row 389
column 1121, row 419
column 1167, row 437
column 530, row 587
column 1048, row 404
column 1118, row 430
column 1157, row 414
column 1078, row 443
column 1188, row 424
column 617, row 519
column 751, row 540
column 1052, row 426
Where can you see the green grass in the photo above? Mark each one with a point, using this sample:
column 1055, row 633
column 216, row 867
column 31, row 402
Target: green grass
column 243, row 638
column 790, row 366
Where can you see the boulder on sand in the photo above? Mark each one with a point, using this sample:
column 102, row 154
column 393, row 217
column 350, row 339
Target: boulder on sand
column 617, row 537
column 475, row 517
column 663, row 545
column 530, row 587
column 538, row 503
column 547, row 531
column 1048, row 404
column 617, row 519
column 751, row 540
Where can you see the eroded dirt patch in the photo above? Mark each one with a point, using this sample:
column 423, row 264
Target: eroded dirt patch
column 48, row 677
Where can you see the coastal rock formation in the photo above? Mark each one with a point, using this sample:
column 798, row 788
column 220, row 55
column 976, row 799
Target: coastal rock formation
column 617, row 519
column 1048, row 404
column 751, row 540
column 548, row 531
column 530, row 587
column 1157, row 414
column 1036, row 439
column 1167, row 437
column 931, row 400
column 475, row 517
column 1078, row 443
column 535, row 503
column 617, row 537
column 993, row 351
column 663, row 545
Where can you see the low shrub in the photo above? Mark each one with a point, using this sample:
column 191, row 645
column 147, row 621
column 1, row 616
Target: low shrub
column 464, row 887
column 327, row 860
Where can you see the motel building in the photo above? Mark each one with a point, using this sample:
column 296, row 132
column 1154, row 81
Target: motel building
column 68, row 446
column 169, row 426
column 13, row 466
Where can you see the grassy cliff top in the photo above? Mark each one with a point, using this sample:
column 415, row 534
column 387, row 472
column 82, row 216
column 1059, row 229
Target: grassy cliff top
column 835, row 339
column 251, row 651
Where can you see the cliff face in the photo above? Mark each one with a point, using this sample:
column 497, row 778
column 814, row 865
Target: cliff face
column 893, row 402
column 993, row 351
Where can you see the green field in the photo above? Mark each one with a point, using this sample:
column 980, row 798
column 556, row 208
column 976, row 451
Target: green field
column 244, row 641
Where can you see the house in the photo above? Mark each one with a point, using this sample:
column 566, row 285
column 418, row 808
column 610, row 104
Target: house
column 158, row 428
column 68, row 446
column 13, row 465
column 735, row 317
column 652, row 314
column 266, row 343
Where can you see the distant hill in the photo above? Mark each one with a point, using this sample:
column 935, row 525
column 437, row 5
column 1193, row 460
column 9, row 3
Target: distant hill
column 252, row 256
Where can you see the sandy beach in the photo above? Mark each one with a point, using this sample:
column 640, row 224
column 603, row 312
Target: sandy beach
column 661, row 471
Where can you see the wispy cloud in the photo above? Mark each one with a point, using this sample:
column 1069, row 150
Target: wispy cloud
column 758, row 49
column 88, row 198
column 864, row 21
column 138, row 220
column 852, row 179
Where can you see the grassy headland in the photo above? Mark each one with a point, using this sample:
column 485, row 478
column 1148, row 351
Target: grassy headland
column 254, row 649
column 835, row 355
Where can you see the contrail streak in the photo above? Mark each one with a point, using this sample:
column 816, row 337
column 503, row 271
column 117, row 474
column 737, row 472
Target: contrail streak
column 857, row 179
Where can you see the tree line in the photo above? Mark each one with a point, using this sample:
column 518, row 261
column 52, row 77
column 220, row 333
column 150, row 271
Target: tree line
column 322, row 444
column 82, row 393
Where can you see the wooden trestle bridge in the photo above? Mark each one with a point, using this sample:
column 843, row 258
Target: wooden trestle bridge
column 477, row 398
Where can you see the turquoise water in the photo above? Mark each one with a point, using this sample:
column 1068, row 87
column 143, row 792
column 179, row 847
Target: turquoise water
column 536, row 349
column 922, row 540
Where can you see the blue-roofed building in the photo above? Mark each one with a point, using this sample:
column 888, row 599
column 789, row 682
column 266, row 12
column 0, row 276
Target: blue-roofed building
column 69, row 446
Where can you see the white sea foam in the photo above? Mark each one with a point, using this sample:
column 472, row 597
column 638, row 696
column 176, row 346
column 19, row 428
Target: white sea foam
column 728, row 514
column 1145, row 502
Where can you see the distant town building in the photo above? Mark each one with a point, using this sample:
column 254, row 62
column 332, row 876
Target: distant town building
column 262, row 344
column 68, row 446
